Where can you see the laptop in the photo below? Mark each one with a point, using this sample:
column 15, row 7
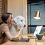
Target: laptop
column 37, row 30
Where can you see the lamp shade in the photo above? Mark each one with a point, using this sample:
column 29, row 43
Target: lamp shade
column 37, row 15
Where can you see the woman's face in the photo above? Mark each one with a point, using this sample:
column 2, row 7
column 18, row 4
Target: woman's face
column 10, row 19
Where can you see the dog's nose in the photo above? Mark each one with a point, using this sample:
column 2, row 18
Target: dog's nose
column 24, row 25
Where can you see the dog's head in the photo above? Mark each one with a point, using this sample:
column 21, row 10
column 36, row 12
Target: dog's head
column 20, row 21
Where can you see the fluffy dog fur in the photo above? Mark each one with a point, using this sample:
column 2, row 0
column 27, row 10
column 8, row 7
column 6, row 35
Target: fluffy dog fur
column 19, row 24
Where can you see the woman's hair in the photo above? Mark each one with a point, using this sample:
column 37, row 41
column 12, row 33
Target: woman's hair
column 3, row 37
column 5, row 16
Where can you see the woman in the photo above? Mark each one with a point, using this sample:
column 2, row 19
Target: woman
column 5, row 27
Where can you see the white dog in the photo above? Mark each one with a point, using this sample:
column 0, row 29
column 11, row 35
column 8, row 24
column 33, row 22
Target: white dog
column 19, row 21
column 18, row 25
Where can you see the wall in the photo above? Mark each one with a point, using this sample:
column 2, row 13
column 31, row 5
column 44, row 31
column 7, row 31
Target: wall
column 18, row 7
column 34, row 8
column 32, row 11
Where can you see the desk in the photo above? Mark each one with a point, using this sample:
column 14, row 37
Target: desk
column 31, row 42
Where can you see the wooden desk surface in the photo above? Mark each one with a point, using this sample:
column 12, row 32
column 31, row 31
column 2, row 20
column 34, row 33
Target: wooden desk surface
column 28, row 34
column 16, row 43
column 31, row 42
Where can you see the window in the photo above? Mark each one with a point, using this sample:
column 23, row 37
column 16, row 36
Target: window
column 31, row 10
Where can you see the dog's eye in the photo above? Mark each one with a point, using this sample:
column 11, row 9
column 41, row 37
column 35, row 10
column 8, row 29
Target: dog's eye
column 21, row 20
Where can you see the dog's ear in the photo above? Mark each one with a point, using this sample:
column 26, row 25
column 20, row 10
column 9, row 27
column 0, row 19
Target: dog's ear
column 15, row 20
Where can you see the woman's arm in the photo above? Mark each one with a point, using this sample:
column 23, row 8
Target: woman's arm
column 10, row 37
column 7, row 32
